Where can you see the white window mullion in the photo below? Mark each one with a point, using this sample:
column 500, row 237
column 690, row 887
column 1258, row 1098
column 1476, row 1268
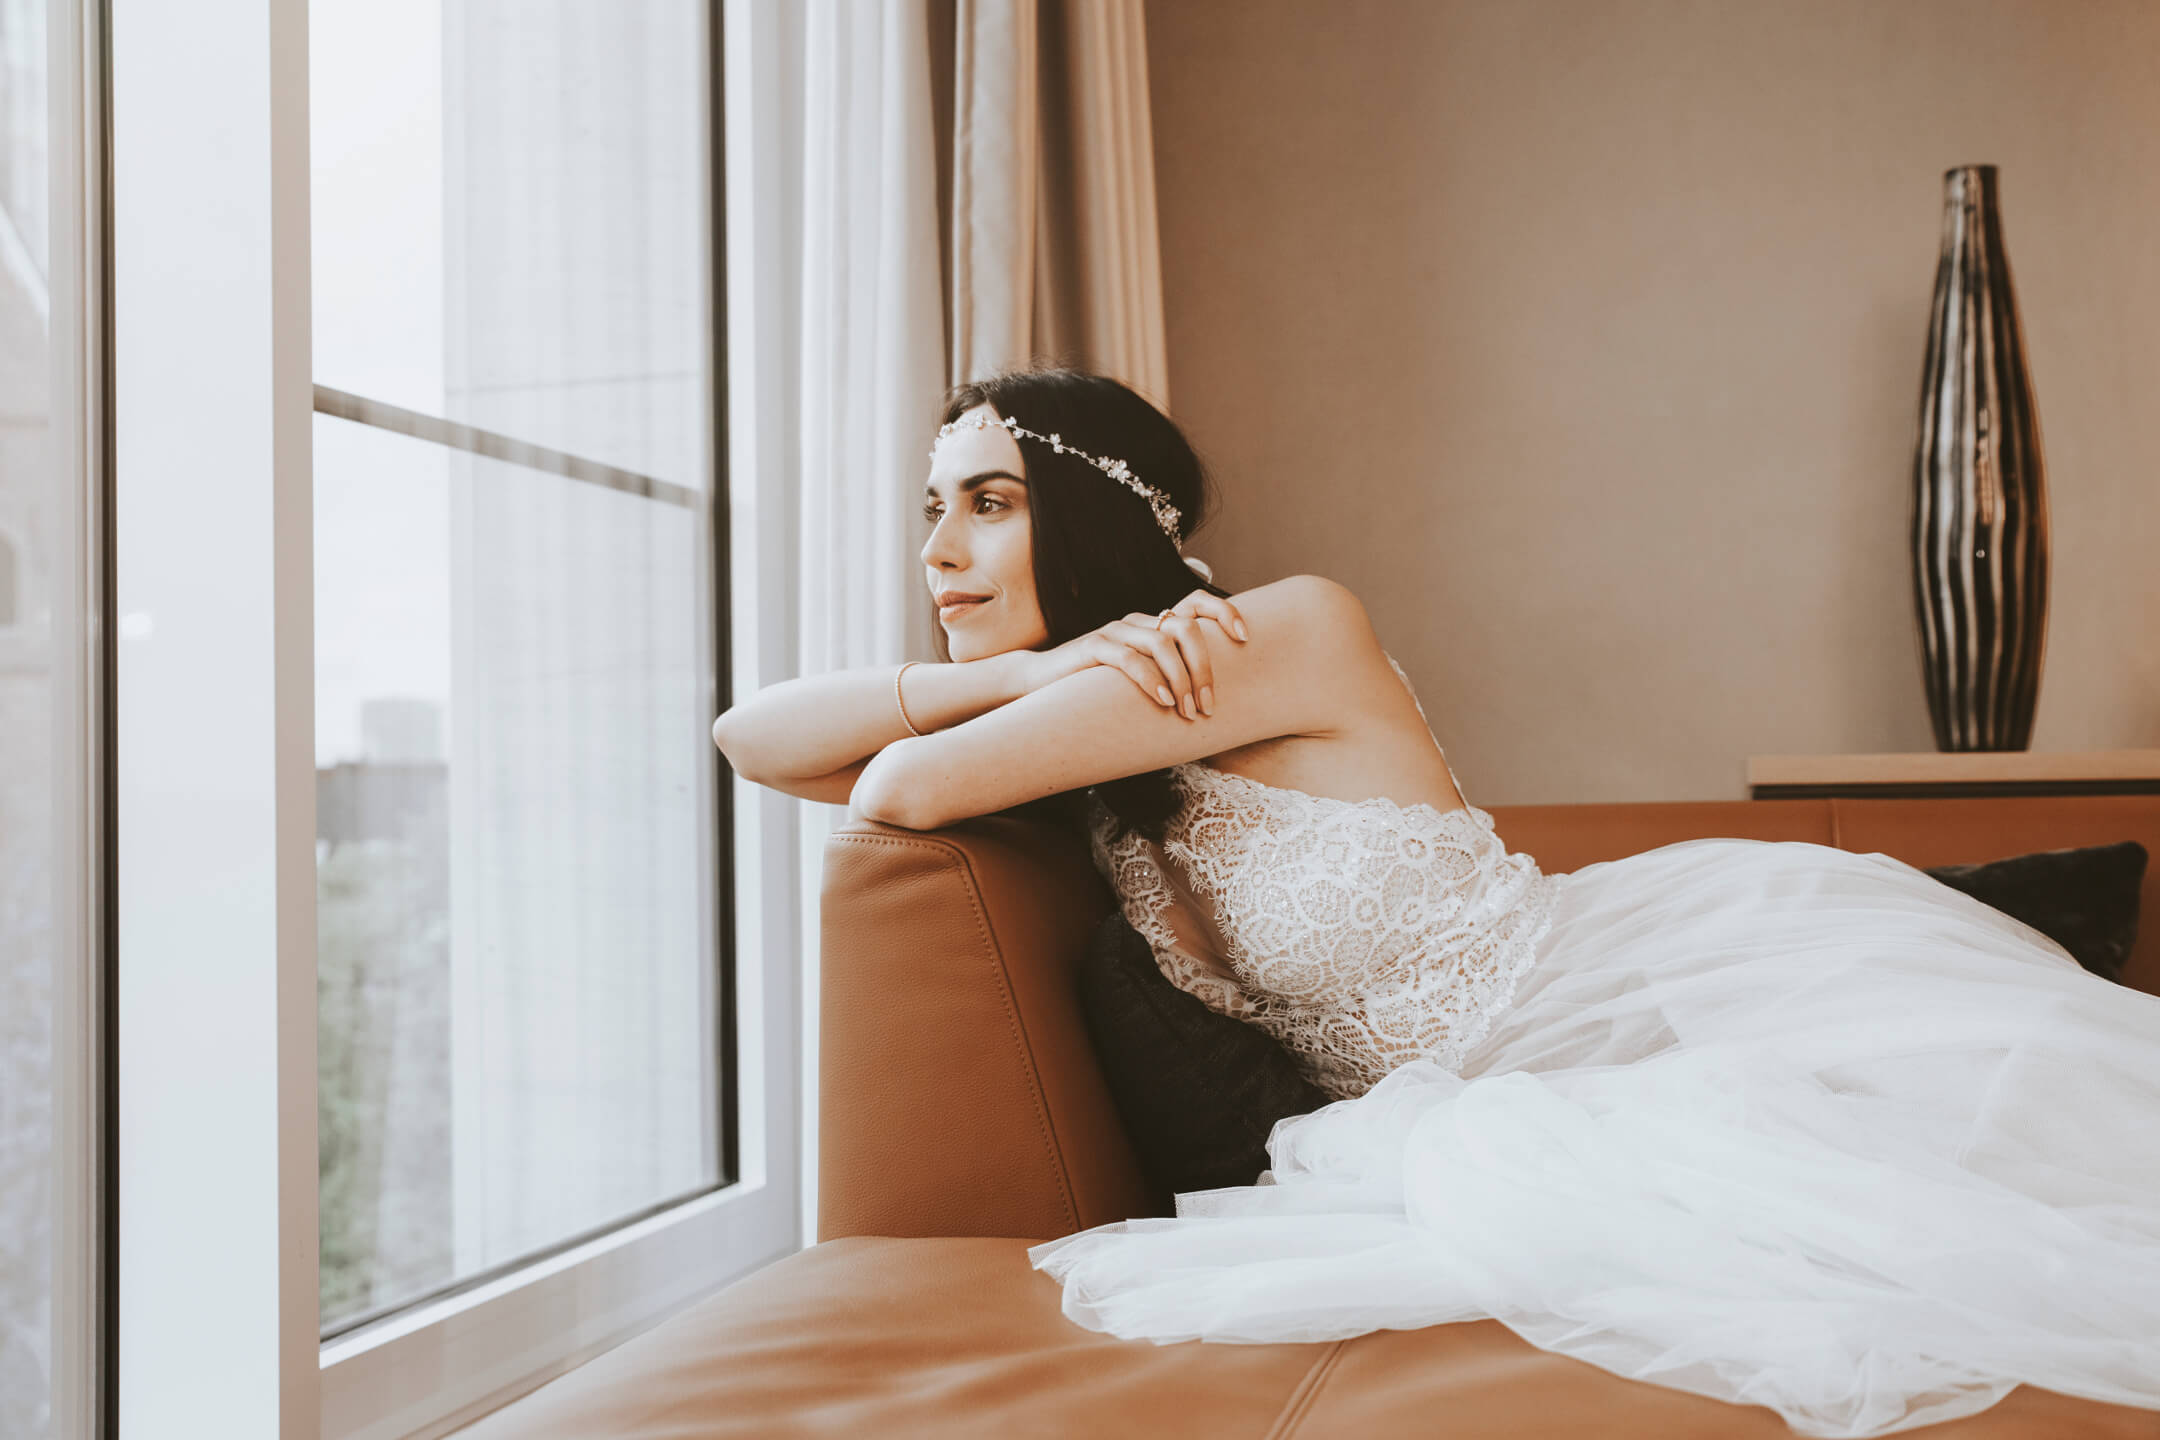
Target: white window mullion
column 81, row 1268
column 215, row 766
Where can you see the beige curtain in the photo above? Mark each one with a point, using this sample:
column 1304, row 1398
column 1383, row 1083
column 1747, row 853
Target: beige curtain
column 1053, row 244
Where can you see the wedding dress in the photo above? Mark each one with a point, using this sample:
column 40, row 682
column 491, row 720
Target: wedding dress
column 1772, row 1122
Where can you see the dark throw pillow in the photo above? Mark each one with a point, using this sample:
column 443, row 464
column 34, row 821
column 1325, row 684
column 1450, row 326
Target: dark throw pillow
column 1198, row 1091
column 2084, row 899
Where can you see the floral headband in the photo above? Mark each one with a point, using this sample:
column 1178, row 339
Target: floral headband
column 1166, row 514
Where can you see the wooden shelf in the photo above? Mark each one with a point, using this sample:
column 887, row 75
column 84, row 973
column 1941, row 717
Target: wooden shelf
column 2001, row 772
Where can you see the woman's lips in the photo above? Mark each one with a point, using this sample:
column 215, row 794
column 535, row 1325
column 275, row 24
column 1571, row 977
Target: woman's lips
column 952, row 608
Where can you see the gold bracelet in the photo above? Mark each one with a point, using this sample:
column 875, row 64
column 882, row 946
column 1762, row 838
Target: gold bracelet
column 897, row 700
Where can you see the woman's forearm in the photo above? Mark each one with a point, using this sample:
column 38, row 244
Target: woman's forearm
column 817, row 723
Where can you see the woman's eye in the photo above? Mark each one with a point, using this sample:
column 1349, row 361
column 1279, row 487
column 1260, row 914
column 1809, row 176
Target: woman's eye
column 931, row 511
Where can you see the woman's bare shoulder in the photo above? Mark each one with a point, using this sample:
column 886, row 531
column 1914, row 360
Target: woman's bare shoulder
column 1303, row 589
column 1325, row 614
column 1331, row 646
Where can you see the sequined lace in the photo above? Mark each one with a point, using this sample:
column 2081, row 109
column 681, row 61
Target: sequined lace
column 1359, row 934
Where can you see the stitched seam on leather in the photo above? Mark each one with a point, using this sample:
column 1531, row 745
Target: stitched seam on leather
column 971, row 884
column 1301, row 1400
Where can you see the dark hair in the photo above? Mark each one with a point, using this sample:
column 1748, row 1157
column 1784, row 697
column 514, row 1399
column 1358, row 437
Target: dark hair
column 1097, row 550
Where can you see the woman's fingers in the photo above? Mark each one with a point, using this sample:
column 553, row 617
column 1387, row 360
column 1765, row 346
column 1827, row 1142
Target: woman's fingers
column 1219, row 608
column 1175, row 645
column 1139, row 668
column 1182, row 675
column 1146, row 638
column 1192, row 648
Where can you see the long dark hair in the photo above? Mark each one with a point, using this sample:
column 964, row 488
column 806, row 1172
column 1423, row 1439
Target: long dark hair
column 1097, row 550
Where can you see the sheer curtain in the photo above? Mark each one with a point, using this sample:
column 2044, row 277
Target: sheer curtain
column 836, row 351
column 839, row 151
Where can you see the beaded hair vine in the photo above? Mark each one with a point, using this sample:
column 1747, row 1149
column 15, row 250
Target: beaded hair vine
column 1166, row 514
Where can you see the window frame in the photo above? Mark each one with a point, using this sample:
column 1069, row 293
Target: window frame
column 85, row 1125
column 218, row 1303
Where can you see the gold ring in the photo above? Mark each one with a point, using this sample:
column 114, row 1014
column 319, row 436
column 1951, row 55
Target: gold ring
column 1162, row 616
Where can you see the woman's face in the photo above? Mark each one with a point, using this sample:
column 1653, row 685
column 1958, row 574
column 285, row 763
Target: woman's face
column 976, row 501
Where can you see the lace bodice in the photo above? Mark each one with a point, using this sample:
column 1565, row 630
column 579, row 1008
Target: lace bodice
column 1359, row 934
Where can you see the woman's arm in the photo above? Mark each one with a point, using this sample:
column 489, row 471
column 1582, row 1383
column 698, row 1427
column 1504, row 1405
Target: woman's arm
column 836, row 788
column 809, row 728
column 1312, row 645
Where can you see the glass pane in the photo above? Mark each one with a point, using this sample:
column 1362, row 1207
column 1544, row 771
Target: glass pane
column 30, row 521
column 516, row 856
column 510, row 219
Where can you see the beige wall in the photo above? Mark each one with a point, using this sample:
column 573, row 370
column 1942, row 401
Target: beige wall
column 1584, row 341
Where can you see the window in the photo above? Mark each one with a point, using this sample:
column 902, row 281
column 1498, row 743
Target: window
column 425, row 889
column 519, row 879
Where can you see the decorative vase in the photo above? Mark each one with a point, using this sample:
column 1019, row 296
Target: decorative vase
column 1980, row 513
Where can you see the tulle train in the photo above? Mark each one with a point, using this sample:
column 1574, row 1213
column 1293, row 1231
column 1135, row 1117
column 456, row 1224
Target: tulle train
column 1767, row 1121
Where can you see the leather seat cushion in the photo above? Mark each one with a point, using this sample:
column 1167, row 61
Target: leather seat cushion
column 959, row 1339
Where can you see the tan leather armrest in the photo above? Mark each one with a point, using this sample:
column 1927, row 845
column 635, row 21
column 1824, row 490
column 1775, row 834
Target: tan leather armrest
column 958, row 1093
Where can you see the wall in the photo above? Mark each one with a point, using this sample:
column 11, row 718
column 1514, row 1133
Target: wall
column 1584, row 342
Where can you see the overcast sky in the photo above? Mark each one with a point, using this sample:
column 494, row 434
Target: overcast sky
column 382, row 552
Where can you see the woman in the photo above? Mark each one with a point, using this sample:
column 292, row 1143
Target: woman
column 1772, row 1122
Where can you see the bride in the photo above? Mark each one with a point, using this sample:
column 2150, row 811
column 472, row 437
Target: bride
column 1772, row 1122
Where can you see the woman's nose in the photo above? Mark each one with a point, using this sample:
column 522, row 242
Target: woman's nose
column 941, row 548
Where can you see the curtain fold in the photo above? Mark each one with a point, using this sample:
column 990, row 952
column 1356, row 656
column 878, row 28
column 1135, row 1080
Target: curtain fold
column 1055, row 248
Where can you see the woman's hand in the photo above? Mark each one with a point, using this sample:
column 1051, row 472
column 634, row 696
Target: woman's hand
column 1169, row 663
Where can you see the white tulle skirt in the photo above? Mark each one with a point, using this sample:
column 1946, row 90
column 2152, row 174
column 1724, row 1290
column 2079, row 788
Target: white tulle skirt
column 1767, row 1121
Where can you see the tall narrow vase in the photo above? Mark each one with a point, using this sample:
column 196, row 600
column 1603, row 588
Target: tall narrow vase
column 1980, row 513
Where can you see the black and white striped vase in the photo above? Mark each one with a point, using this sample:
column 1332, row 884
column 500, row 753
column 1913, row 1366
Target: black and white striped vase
column 1980, row 512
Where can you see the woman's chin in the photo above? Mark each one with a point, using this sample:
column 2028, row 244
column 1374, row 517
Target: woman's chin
column 962, row 646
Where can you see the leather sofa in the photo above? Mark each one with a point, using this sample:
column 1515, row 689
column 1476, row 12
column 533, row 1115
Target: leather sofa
column 964, row 1118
